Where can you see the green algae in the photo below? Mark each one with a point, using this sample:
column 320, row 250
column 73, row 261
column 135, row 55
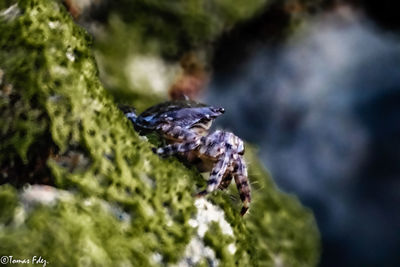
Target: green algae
column 9, row 202
column 127, row 205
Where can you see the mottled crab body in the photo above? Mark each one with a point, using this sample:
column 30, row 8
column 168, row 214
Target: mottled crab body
column 184, row 125
column 188, row 115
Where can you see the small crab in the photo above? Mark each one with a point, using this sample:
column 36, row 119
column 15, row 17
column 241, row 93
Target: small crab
column 184, row 125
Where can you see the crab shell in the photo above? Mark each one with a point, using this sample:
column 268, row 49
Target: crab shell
column 186, row 114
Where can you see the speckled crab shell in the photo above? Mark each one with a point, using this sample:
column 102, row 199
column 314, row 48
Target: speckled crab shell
column 183, row 113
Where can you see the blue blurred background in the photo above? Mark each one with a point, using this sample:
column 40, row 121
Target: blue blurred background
column 324, row 108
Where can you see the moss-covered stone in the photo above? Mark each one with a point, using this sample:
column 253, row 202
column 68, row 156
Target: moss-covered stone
column 125, row 205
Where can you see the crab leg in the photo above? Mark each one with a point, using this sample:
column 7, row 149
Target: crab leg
column 242, row 185
column 216, row 174
column 226, row 181
column 177, row 148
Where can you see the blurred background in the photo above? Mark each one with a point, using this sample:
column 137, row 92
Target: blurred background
column 315, row 85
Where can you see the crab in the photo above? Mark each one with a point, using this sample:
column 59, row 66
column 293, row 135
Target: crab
column 184, row 125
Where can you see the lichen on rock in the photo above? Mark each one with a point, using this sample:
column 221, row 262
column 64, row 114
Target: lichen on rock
column 111, row 200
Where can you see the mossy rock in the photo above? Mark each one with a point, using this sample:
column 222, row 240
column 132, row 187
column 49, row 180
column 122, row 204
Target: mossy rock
column 112, row 202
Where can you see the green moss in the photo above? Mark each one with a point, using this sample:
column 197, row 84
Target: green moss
column 218, row 241
column 58, row 104
column 9, row 202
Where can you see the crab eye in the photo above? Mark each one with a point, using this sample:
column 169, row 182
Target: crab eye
column 241, row 152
